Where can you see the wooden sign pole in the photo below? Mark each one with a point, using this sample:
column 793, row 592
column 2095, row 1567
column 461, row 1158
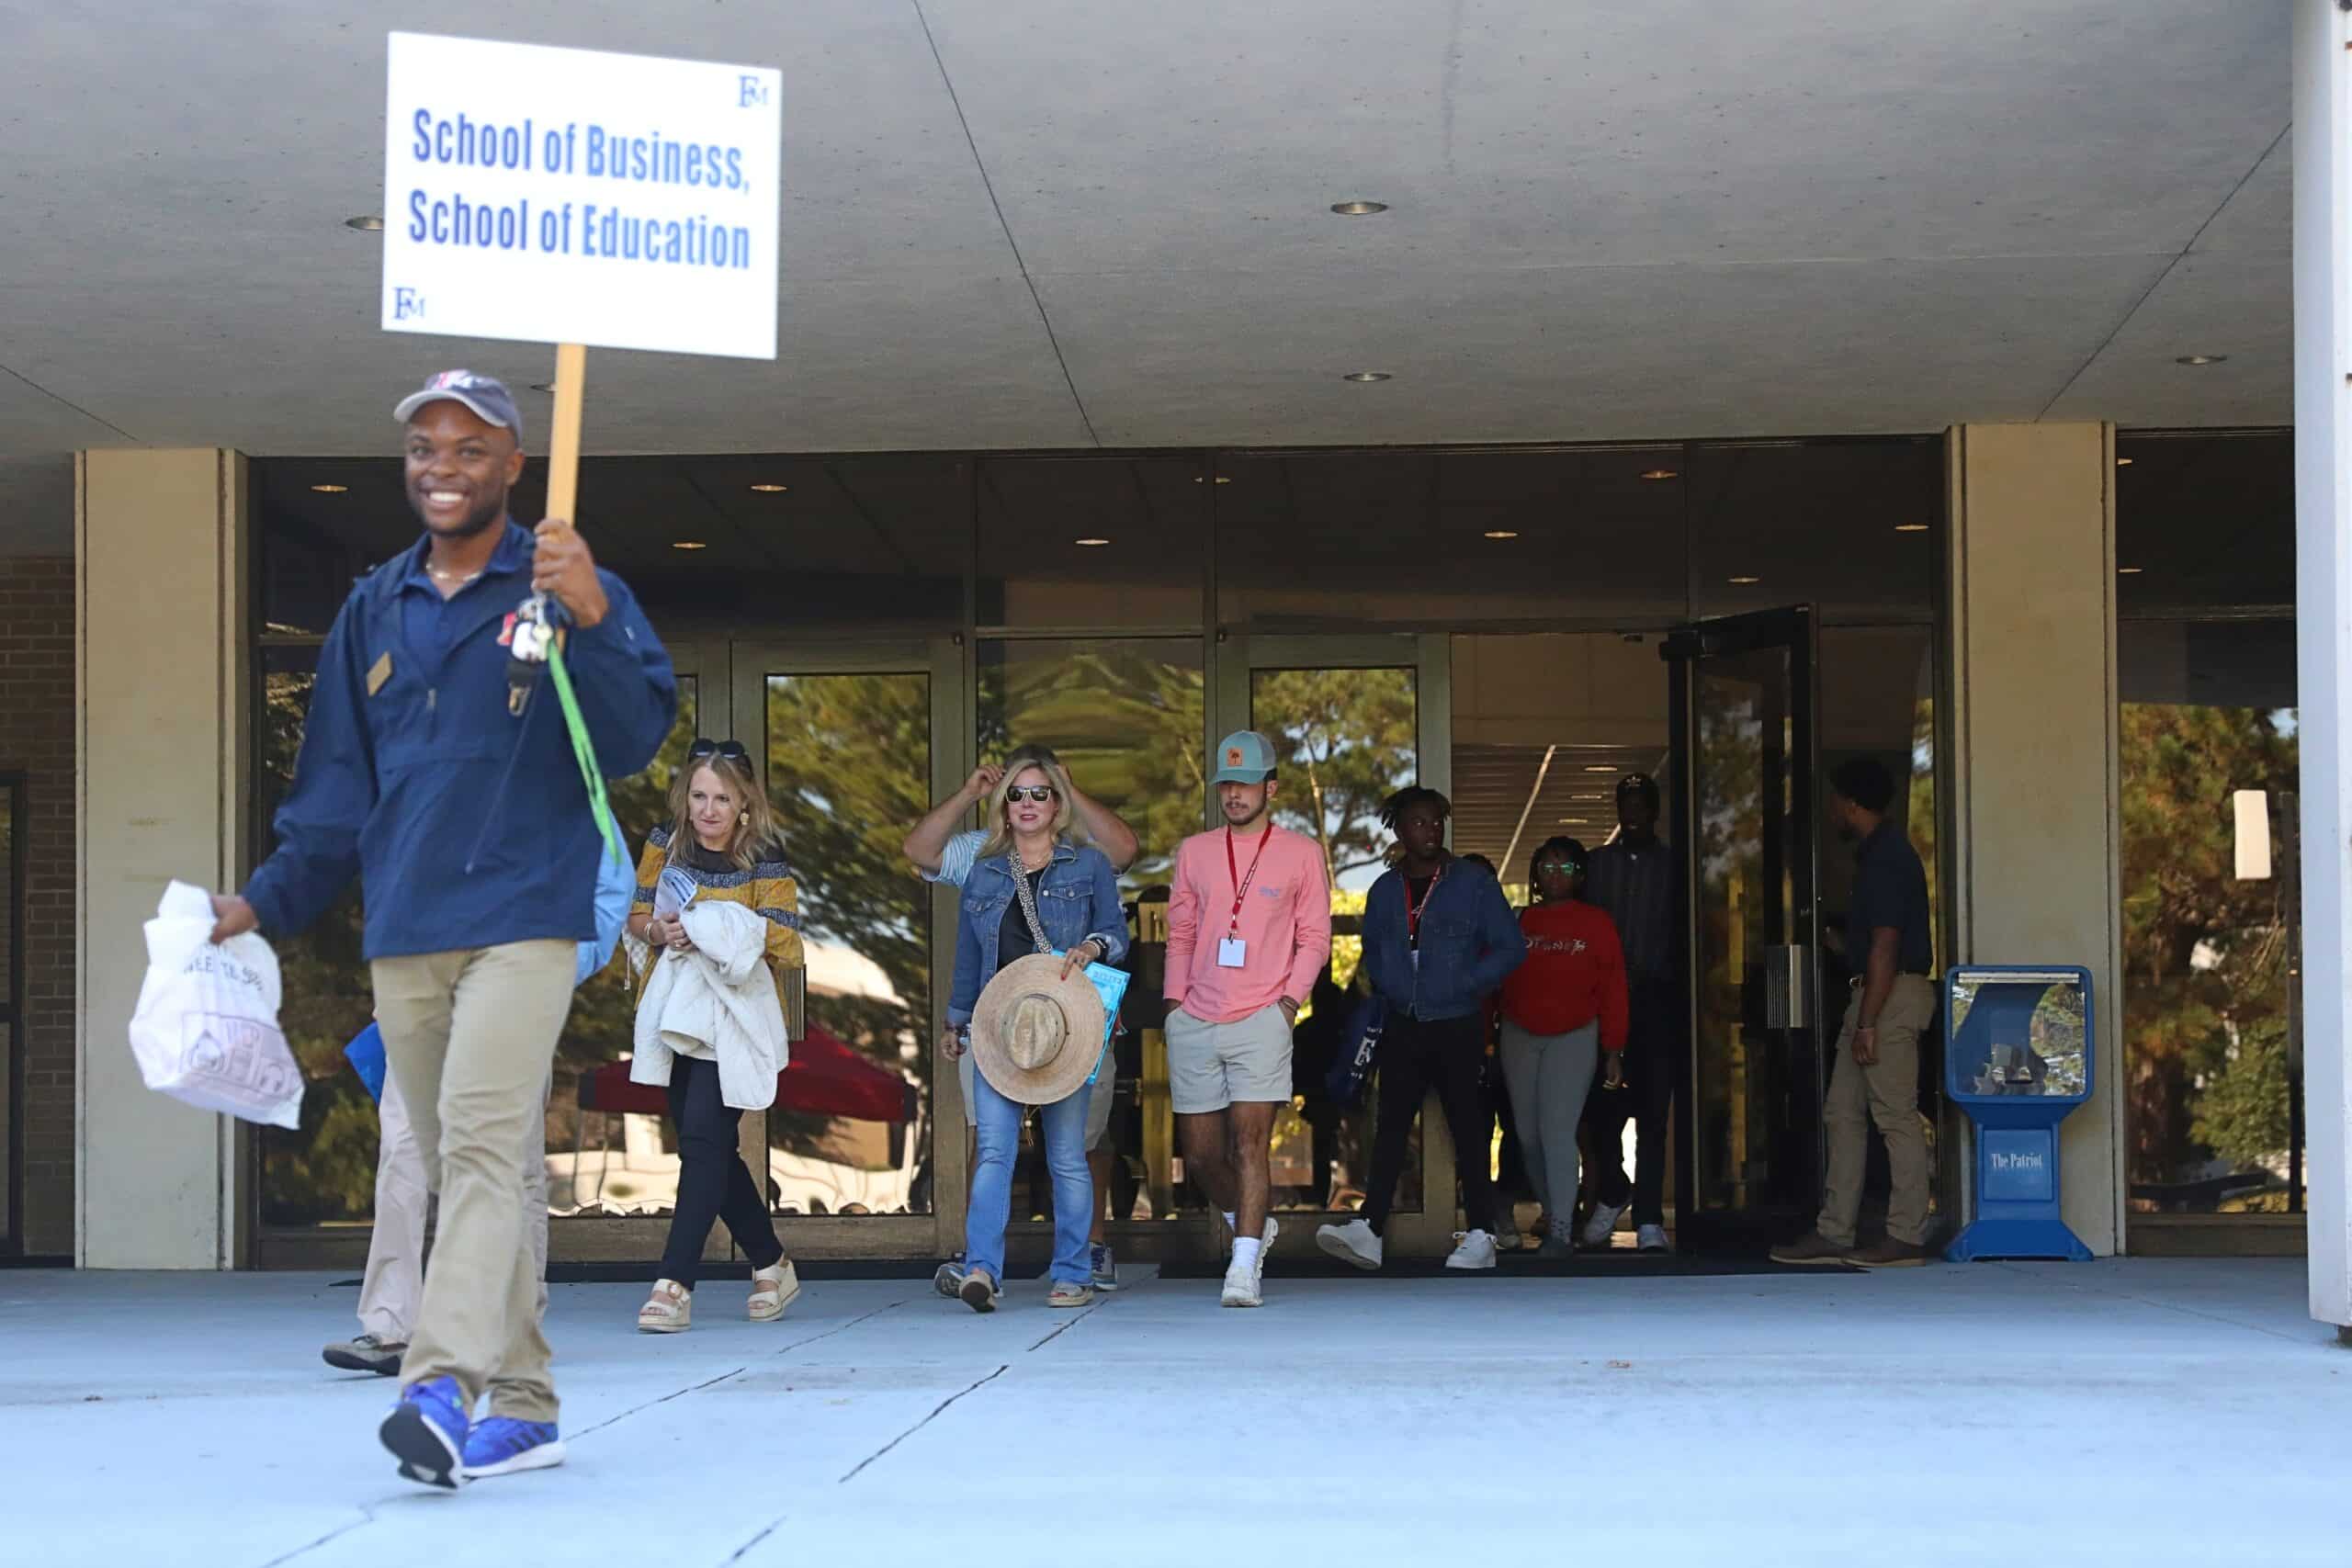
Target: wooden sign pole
column 563, row 441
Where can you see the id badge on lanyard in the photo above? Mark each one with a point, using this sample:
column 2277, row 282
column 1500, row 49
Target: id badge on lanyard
column 1233, row 949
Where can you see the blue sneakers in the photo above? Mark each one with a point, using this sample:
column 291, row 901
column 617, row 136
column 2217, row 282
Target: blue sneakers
column 501, row 1445
column 1105, row 1266
column 426, row 1432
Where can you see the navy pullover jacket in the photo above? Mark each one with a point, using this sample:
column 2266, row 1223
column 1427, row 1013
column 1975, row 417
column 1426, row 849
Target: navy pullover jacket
column 404, row 750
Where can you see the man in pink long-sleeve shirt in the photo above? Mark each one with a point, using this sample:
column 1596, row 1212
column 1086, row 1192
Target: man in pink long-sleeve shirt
column 1248, row 929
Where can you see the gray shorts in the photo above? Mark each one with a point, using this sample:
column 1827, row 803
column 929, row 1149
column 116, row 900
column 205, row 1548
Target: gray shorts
column 1098, row 1101
column 1210, row 1065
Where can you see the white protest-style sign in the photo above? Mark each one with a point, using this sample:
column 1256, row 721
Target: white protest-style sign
column 569, row 196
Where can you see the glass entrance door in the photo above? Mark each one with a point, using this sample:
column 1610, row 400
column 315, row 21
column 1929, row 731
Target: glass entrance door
column 1750, row 1128
column 846, row 739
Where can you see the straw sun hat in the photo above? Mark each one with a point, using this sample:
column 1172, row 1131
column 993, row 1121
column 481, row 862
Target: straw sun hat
column 1035, row 1035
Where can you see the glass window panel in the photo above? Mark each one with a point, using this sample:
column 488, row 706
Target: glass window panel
column 1346, row 740
column 1149, row 516
column 323, row 1171
column 2205, row 521
column 1743, row 1089
column 1340, row 539
column 1849, row 527
column 615, row 1162
column 1126, row 718
column 849, row 768
column 2208, row 958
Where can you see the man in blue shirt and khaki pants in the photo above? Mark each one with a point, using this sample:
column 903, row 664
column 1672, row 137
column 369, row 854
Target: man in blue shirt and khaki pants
column 1876, row 1078
column 471, row 834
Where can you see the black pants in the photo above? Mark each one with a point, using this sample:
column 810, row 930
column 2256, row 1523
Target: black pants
column 1415, row 1057
column 1654, row 1065
column 712, row 1180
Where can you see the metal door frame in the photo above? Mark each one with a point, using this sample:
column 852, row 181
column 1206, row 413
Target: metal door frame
column 946, row 661
column 1234, row 658
column 1794, row 629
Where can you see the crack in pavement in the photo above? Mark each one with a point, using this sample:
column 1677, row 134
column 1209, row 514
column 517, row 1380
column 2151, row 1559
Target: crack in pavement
column 1074, row 1321
column 738, row 1371
column 367, row 1517
column 926, row 1421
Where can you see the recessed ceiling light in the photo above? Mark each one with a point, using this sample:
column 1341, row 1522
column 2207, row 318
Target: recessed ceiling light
column 2200, row 359
column 367, row 222
column 2124, row 462
column 1660, row 474
column 1365, row 376
column 771, row 489
column 1502, row 534
column 329, row 490
column 1358, row 208
column 1910, row 528
column 1744, row 581
column 688, row 545
column 2129, row 571
column 1092, row 543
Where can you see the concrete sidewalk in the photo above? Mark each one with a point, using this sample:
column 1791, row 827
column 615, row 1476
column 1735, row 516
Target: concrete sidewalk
column 2134, row 1411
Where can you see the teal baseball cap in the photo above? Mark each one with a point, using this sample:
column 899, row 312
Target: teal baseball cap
column 1244, row 757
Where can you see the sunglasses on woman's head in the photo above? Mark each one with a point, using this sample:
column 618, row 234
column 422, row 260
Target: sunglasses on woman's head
column 704, row 747
column 1039, row 793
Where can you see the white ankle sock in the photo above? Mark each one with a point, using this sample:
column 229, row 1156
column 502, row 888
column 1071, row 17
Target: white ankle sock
column 1245, row 1250
column 1231, row 1222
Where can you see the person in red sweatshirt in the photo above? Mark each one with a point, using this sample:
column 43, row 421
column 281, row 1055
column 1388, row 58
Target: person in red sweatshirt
column 1563, row 1015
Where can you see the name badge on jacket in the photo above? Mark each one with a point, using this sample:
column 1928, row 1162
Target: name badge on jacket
column 1232, row 953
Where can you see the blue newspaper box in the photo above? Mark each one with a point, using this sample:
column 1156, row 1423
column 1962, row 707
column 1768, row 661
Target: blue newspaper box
column 2018, row 1061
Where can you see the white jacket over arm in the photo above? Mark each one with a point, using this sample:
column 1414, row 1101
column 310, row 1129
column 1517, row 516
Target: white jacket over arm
column 721, row 995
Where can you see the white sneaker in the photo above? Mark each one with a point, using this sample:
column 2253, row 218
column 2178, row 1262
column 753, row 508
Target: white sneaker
column 1241, row 1286
column 1603, row 1223
column 1653, row 1239
column 1265, row 1245
column 1355, row 1242
column 1476, row 1249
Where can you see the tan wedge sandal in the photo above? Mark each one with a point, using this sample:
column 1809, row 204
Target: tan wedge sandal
column 669, row 1310
column 773, row 1289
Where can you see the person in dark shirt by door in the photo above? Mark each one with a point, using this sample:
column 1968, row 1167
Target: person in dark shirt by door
column 1876, row 1078
column 1631, row 879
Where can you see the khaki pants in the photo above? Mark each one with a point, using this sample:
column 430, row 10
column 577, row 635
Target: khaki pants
column 469, row 1037
column 1886, row 1093
column 393, row 1286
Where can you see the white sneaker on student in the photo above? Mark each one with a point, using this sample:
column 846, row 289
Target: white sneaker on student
column 1265, row 1245
column 1476, row 1249
column 1654, row 1239
column 1603, row 1223
column 1355, row 1242
column 1241, row 1288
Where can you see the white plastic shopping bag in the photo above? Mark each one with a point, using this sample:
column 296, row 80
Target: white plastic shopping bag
column 206, row 1028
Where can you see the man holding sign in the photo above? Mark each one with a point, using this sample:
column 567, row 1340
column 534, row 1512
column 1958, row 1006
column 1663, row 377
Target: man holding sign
column 476, row 845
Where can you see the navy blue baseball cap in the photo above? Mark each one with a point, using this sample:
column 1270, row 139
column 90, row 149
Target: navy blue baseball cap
column 486, row 395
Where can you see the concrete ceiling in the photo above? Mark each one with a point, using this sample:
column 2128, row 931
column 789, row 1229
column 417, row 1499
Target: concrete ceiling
column 1049, row 224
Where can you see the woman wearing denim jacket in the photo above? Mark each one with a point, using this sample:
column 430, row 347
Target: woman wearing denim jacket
column 1438, row 938
column 1071, row 907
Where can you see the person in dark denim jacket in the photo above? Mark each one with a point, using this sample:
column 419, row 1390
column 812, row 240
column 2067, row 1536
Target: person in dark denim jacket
column 1074, row 895
column 1438, row 938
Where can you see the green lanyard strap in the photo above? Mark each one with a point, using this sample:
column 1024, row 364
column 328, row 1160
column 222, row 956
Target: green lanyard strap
column 584, row 751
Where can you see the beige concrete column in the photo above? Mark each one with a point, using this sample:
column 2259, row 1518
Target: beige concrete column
column 2036, row 860
column 162, row 561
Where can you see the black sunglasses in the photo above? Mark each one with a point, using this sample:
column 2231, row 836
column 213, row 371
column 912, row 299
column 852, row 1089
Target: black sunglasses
column 704, row 747
column 1039, row 793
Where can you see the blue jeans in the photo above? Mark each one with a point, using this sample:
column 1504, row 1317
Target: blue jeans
column 991, row 1196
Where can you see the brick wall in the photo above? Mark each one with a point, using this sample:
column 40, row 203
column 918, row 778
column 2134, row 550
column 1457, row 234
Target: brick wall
column 36, row 738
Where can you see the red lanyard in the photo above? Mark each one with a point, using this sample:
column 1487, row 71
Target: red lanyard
column 1412, row 909
column 1240, row 882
